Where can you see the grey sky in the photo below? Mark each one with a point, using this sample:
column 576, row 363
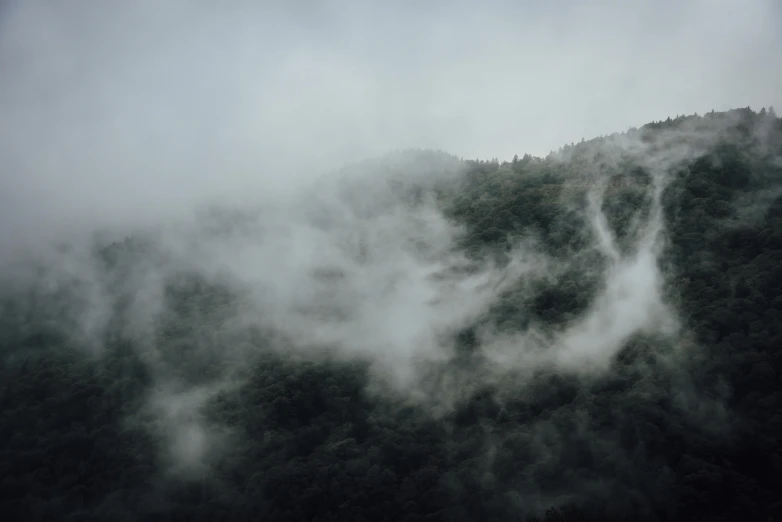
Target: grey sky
column 113, row 109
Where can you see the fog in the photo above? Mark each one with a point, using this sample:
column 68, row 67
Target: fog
column 137, row 118
column 123, row 110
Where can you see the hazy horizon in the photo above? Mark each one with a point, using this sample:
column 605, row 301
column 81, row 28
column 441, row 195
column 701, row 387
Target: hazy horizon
column 117, row 109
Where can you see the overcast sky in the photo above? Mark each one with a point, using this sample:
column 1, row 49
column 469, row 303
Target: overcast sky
column 113, row 107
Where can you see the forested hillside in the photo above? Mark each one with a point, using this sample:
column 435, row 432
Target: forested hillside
column 593, row 335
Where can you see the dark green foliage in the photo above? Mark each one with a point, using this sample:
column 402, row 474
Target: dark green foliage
column 690, row 432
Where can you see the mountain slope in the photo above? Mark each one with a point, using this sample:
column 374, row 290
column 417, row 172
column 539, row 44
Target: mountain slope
column 421, row 338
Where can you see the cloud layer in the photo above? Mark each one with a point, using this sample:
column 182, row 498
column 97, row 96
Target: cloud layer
column 125, row 110
column 206, row 130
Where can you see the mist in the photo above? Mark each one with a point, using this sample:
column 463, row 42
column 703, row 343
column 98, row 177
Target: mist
column 235, row 144
column 362, row 265
column 122, row 112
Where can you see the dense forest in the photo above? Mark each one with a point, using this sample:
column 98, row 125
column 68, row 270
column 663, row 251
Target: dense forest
column 597, row 337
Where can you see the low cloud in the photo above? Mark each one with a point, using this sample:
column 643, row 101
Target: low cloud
column 181, row 127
